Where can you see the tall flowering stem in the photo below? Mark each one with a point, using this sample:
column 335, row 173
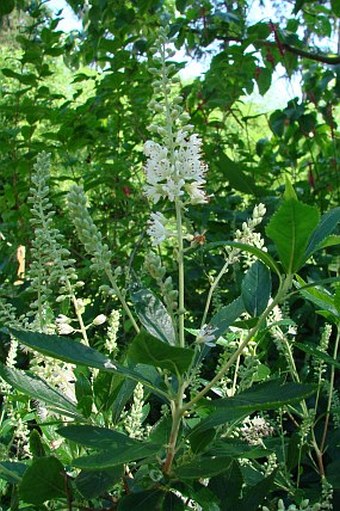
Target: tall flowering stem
column 174, row 169
column 175, row 173
column 181, row 279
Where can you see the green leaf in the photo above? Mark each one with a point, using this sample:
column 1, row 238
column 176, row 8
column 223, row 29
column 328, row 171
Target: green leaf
column 199, row 440
column 12, row 471
column 96, row 437
column 336, row 7
column 290, row 229
column 76, row 353
column 204, row 466
column 146, row 349
column 43, row 480
column 319, row 296
column 6, row 7
column 255, row 495
column 117, row 456
column 227, row 487
column 225, row 317
column 298, row 5
column 233, row 172
column 36, row 445
column 264, row 396
column 237, row 449
column 83, row 390
column 142, row 501
column 260, row 254
column 256, row 289
column 92, row 484
column 277, row 122
column 315, row 352
column 326, row 227
column 36, row 388
column 263, row 78
column 153, row 315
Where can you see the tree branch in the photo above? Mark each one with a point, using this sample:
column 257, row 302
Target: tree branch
column 319, row 57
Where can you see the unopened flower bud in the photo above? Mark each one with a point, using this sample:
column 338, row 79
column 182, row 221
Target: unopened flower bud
column 99, row 320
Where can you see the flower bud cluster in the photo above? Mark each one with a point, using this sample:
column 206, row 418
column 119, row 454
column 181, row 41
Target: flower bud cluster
column 248, row 236
column 134, row 419
column 153, row 266
column 112, row 332
column 87, row 231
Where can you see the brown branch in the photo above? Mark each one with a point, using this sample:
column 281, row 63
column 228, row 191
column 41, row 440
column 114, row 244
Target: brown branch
column 319, row 57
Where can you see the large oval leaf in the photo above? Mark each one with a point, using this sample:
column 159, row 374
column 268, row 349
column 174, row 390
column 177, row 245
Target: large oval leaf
column 146, row 349
column 153, row 315
column 43, row 480
column 256, row 289
column 290, row 228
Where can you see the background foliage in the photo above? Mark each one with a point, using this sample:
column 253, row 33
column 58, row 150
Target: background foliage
column 83, row 97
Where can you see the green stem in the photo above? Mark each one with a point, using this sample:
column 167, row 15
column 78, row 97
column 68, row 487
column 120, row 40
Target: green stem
column 211, row 292
column 278, row 298
column 79, row 318
column 181, row 282
column 122, row 299
column 330, row 395
column 177, row 413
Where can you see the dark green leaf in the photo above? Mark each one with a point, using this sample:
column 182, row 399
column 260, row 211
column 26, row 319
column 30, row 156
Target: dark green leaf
column 36, row 388
column 256, row 289
column 315, row 352
column 76, row 353
column 96, row 437
column 225, row 317
column 146, row 349
column 199, row 440
column 173, row 503
column 336, row 7
column 255, row 495
column 84, row 395
column 326, row 226
column 277, row 122
column 264, row 396
column 298, row 5
column 153, row 315
column 12, row 471
column 116, row 456
column 204, row 466
column 237, row 449
column 6, row 7
column 142, row 501
column 290, row 228
column 36, row 446
column 92, row 484
column 227, row 487
column 43, row 480
column 238, row 179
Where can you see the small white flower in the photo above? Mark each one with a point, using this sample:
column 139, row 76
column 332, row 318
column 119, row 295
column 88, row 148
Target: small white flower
column 206, row 335
column 99, row 320
column 157, row 230
column 197, row 195
column 64, row 329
